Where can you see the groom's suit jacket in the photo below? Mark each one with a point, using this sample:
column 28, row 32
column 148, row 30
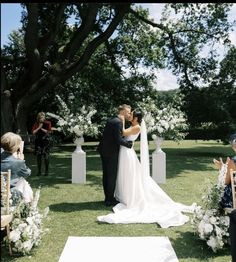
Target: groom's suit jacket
column 112, row 138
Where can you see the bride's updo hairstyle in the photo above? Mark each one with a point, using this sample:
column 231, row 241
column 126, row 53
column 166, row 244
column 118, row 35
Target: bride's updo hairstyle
column 137, row 113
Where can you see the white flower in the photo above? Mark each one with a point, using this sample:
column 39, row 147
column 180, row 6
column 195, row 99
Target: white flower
column 213, row 243
column 27, row 226
column 212, row 220
column 27, row 245
column 169, row 123
column 29, row 220
column 208, row 220
column 225, row 221
column 154, row 137
column 160, row 130
column 76, row 123
column 208, row 228
column 15, row 235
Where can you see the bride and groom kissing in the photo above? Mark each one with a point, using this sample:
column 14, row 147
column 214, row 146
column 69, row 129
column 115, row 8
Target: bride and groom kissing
column 127, row 184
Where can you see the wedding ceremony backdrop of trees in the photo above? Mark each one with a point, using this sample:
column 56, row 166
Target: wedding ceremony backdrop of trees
column 97, row 61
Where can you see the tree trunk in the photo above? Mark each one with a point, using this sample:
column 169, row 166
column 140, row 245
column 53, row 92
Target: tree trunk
column 26, row 102
column 13, row 121
column 7, row 114
column 21, row 122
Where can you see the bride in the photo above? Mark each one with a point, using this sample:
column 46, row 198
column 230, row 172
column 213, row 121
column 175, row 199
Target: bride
column 141, row 199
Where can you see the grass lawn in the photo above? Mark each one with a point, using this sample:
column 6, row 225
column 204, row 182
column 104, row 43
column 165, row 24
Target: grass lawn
column 74, row 207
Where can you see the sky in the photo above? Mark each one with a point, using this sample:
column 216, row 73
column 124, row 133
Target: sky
column 10, row 20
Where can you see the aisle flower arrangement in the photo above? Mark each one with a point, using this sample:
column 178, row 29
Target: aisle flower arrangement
column 75, row 124
column 27, row 226
column 209, row 221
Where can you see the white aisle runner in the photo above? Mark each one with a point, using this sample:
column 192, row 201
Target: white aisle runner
column 118, row 249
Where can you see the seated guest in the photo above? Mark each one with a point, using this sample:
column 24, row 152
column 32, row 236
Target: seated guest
column 12, row 158
column 227, row 200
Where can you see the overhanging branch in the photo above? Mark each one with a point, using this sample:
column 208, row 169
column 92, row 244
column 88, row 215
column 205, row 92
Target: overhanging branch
column 160, row 26
column 170, row 34
column 82, row 33
column 121, row 10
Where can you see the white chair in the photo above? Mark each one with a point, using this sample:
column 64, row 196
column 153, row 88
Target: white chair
column 6, row 217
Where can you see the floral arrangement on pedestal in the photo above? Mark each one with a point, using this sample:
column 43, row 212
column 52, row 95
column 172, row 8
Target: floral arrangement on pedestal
column 75, row 124
column 168, row 123
column 209, row 220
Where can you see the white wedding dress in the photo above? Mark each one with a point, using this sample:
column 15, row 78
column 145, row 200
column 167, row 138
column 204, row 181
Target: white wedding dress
column 141, row 199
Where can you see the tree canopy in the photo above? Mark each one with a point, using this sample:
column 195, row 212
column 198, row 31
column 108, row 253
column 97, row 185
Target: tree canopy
column 106, row 41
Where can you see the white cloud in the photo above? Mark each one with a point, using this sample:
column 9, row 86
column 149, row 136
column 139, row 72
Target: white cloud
column 165, row 80
column 232, row 17
column 154, row 10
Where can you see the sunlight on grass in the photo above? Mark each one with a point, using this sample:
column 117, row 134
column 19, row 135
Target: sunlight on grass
column 74, row 207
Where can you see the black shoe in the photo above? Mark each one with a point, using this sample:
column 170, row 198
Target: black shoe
column 111, row 203
column 114, row 203
column 107, row 203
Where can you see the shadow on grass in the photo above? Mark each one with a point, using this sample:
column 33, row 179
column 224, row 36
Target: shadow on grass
column 73, row 207
column 188, row 245
column 178, row 160
column 60, row 169
column 5, row 257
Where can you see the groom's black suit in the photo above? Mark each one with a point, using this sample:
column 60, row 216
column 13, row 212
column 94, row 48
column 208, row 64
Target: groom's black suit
column 109, row 148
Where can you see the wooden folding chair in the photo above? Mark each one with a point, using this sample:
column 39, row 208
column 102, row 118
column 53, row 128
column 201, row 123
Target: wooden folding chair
column 6, row 217
column 233, row 185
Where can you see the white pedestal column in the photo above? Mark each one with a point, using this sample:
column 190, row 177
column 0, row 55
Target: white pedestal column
column 79, row 164
column 159, row 166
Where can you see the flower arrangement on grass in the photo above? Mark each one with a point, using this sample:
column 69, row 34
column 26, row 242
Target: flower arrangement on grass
column 27, row 226
column 209, row 220
column 75, row 124
column 168, row 123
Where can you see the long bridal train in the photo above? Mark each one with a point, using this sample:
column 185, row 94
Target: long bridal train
column 141, row 199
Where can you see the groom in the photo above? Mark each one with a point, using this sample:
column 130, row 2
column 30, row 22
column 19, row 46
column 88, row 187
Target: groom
column 108, row 148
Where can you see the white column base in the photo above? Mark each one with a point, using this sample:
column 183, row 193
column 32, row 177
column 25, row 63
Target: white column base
column 159, row 166
column 79, row 167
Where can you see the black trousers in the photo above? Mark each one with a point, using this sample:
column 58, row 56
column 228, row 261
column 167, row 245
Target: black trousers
column 109, row 167
column 232, row 234
column 42, row 151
